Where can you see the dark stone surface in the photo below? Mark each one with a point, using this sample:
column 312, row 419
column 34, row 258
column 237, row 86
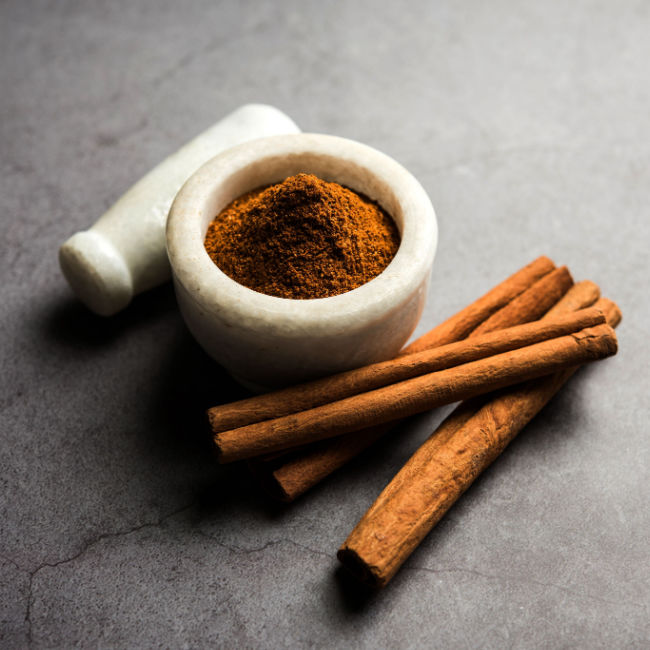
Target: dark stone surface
column 529, row 128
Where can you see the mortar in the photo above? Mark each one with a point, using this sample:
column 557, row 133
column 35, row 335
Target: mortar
column 265, row 341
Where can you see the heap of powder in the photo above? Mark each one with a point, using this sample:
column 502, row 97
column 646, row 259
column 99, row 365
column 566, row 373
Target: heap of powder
column 302, row 238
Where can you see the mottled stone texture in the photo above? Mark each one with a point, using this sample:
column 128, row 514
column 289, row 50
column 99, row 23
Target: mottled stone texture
column 527, row 124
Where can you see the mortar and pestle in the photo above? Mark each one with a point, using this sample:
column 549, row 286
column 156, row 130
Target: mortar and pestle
column 263, row 341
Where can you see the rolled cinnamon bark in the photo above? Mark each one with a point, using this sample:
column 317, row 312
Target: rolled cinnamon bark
column 581, row 295
column 531, row 304
column 462, row 323
column 288, row 476
column 336, row 387
column 442, row 469
column 416, row 395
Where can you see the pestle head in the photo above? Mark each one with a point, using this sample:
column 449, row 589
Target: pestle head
column 97, row 272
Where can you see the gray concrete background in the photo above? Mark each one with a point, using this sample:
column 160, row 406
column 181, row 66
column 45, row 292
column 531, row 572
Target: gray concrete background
column 528, row 124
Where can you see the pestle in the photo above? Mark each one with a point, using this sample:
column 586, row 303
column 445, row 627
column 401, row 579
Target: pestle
column 124, row 253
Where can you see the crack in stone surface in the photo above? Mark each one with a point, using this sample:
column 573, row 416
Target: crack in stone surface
column 506, row 578
column 273, row 542
column 8, row 560
column 85, row 548
column 123, row 533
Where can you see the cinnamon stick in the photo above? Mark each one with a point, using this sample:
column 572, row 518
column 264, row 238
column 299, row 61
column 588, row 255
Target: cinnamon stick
column 416, row 395
column 462, row 323
column 440, row 471
column 580, row 296
column 290, row 475
column 287, row 476
column 531, row 304
column 336, row 387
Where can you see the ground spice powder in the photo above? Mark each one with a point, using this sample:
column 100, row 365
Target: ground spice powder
column 302, row 238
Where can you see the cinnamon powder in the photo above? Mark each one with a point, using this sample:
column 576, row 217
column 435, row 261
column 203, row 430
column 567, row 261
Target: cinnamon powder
column 302, row 238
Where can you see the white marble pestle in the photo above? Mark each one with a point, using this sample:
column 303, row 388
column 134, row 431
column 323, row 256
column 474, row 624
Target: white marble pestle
column 124, row 252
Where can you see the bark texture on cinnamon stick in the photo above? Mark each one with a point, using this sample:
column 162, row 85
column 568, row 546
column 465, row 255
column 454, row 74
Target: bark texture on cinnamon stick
column 336, row 387
column 461, row 324
column 286, row 476
column 416, row 395
column 303, row 468
column 440, row 471
column 581, row 295
column 531, row 304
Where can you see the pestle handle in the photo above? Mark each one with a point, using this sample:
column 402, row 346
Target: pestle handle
column 124, row 253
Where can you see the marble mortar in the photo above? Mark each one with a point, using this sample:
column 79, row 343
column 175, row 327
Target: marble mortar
column 265, row 341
